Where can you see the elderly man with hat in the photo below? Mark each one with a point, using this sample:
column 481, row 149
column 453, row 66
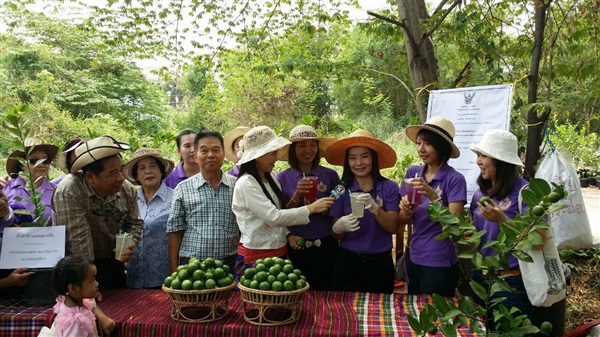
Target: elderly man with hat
column 202, row 223
column 40, row 156
column 95, row 205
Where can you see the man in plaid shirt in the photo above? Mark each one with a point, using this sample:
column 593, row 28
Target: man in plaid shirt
column 201, row 223
column 95, row 204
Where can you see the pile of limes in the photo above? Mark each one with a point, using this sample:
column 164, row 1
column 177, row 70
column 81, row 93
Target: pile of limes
column 200, row 275
column 273, row 273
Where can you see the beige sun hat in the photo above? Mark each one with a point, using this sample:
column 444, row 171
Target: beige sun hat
column 302, row 133
column 71, row 145
column 500, row 145
column 439, row 125
column 230, row 138
column 13, row 166
column 336, row 152
column 145, row 153
column 96, row 149
column 259, row 141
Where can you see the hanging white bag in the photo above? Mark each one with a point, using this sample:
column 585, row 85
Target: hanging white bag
column 571, row 224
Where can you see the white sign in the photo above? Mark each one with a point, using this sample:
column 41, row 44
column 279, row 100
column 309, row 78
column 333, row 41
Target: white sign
column 473, row 111
column 32, row 247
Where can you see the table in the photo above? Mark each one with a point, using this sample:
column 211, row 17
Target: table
column 147, row 313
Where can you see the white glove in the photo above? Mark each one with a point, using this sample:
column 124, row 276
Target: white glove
column 347, row 223
column 366, row 200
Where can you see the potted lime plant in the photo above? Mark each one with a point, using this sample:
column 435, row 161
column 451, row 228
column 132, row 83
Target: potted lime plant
column 39, row 289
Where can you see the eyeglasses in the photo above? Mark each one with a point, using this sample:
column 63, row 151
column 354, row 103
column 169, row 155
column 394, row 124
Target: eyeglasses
column 46, row 161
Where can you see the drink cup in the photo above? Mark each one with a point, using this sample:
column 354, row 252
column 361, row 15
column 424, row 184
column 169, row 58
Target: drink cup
column 311, row 195
column 414, row 198
column 358, row 209
column 123, row 241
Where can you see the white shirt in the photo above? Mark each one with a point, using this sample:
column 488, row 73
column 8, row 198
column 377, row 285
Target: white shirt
column 262, row 225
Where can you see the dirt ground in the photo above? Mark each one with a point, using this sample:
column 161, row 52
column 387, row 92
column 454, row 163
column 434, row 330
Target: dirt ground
column 583, row 301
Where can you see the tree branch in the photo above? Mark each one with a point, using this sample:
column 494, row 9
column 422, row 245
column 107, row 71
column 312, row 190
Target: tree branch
column 397, row 23
column 461, row 75
column 438, row 23
column 440, row 7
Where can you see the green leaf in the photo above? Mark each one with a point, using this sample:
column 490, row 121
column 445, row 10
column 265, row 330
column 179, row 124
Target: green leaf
column 530, row 198
column 465, row 305
column 415, row 325
column 478, row 290
column 441, row 304
column 540, row 187
column 521, row 255
column 451, row 314
column 448, row 330
column 466, row 255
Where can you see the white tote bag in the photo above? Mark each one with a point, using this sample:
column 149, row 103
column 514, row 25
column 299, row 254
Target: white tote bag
column 571, row 224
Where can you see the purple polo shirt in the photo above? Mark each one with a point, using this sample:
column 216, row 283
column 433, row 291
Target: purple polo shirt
column 510, row 207
column 176, row 176
column 425, row 249
column 16, row 187
column 319, row 225
column 235, row 171
column 371, row 238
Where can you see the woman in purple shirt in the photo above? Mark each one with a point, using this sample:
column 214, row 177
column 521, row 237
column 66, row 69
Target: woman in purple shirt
column 316, row 256
column 432, row 264
column 187, row 166
column 16, row 186
column 499, row 180
column 364, row 261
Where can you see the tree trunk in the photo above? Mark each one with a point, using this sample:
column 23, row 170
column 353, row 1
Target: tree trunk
column 421, row 56
column 535, row 122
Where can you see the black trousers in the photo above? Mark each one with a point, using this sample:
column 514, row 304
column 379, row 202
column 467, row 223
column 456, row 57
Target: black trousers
column 111, row 273
column 316, row 263
column 373, row 273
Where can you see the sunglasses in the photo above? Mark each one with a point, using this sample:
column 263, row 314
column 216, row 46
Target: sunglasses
column 33, row 161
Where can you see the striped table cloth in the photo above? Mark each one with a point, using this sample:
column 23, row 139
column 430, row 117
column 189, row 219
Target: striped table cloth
column 147, row 313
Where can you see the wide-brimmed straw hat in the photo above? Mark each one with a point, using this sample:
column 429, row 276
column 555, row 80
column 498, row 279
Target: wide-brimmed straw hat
column 228, row 140
column 336, row 152
column 439, row 125
column 259, row 141
column 301, row 133
column 71, row 145
column 500, row 145
column 13, row 166
column 141, row 154
column 96, row 149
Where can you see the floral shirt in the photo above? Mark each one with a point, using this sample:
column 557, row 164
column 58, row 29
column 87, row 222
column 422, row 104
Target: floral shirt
column 150, row 263
column 77, row 321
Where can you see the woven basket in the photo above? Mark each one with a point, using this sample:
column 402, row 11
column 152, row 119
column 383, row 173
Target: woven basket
column 271, row 308
column 199, row 306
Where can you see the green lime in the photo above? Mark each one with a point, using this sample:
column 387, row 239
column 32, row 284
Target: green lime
column 546, row 327
column 282, row 277
column 209, row 275
column 176, row 284
column 210, row 284
column 287, row 261
column 174, row 274
column 226, row 268
column 297, row 272
column 300, row 242
column 198, row 285
column 186, row 285
column 198, row 275
column 183, row 274
column 275, row 270
column 277, row 286
column 485, row 200
column 224, row 282
column 242, row 279
column 203, row 266
column 279, row 261
column 288, row 285
column 264, row 286
column 288, row 268
column 180, row 267
column 259, row 261
column 210, row 262
column 271, row 279
column 249, row 273
column 254, row 284
column 269, row 262
column 247, row 283
column 554, row 197
column 192, row 267
column 168, row 281
column 261, row 276
column 219, row 273
column 300, row 284
column 218, row 264
column 303, row 278
column 538, row 210
column 293, row 277
column 260, row 267
column 194, row 260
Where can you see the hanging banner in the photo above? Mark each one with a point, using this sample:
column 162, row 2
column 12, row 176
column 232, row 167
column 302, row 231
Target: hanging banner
column 32, row 247
column 473, row 111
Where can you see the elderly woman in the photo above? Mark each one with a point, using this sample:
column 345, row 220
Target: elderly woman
column 17, row 185
column 187, row 166
column 150, row 263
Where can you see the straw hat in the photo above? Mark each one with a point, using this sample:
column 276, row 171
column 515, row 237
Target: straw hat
column 13, row 166
column 336, row 152
column 301, row 133
column 141, row 154
column 71, row 145
column 439, row 125
column 228, row 140
column 96, row 149
column 259, row 141
column 500, row 145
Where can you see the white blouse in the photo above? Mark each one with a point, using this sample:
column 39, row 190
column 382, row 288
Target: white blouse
column 262, row 225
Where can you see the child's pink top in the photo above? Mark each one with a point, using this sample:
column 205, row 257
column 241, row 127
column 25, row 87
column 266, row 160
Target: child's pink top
column 76, row 321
